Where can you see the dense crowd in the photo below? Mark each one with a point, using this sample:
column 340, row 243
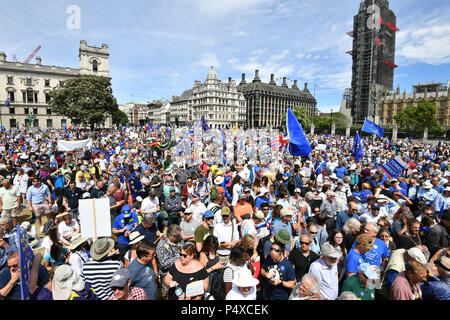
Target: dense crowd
column 322, row 227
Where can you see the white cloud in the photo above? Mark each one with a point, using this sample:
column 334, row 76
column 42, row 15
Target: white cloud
column 208, row 59
column 220, row 7
column 281, row 55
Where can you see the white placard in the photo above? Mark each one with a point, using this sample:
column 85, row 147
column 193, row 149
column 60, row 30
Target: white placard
column 95, row 218
column 195, row 289
column 321, row 147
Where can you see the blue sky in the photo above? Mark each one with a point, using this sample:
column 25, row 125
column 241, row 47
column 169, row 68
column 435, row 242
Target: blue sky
column 159, row 47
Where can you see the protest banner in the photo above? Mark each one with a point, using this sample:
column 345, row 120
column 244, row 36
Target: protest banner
column 394, row 167
column 64, row 145
column 26, row 257
column 195, row 289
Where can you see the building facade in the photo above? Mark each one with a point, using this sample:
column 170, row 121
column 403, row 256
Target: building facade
column 28, row 86
column 267, row 102
column 436, row 93
column 373, row 52
column 220, row 103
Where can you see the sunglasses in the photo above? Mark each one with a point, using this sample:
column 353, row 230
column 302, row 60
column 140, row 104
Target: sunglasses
column 183, row 255
column 265, row 209
column 312, row 232
column 117, row 288
column 275, row 249
column 305, row 243
column 210, row 218
column 13, row 266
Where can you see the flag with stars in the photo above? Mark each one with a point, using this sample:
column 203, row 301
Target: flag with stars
column 26, row 257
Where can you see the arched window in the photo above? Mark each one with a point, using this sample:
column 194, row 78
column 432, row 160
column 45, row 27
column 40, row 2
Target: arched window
column 94, row 65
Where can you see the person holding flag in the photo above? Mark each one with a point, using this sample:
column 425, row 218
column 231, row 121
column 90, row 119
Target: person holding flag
column 357, row 148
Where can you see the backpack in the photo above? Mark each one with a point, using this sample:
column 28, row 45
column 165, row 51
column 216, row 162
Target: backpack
column 217, row 288
column 47, row 226
column 260, row 247
column 213, row 194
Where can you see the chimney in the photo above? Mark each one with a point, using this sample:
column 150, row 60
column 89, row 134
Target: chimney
column 284, row 83
column 2, row 56
column 256, row 79
column 229, row 79
column 294, row 86
column 243, row 79
column 38, row 60
column 306, row 87
column 272, row 80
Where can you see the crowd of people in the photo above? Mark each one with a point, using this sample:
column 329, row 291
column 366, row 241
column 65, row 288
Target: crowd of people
column 323, row 227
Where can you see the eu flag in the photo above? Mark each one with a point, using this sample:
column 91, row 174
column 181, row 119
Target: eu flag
column 205, row 126
column 26, row 257
column 371, row 127
column 298, row 144
column 357, row 148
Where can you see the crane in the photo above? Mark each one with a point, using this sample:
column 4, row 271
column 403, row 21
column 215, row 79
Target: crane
column 32, row 55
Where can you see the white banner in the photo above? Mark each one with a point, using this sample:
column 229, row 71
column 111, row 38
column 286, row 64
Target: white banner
column 64, row 145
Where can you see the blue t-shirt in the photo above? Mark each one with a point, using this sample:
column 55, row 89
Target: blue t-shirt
column 379, row 251
column 261, row 200
column 354, row 259
column 143, row 276
column 340, row 172
column 120, row 222
column 286, row 272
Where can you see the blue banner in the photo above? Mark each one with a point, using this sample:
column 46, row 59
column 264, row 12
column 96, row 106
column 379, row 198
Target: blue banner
column 395, row 167
column 371, row 127
column 298, row 144
column 26, row 257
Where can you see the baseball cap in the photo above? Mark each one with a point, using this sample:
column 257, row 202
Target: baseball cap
column 172, row 189
column 225, row 211
column 208, row 214
column 297, row 190
column 120, row 278
column 329, row 251
column 126, row 210
column 285, row 212
column 241, row 196
column 375, row 206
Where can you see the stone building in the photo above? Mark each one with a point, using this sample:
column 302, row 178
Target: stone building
column 28, row 86
column 267, row 102
column 435, row 93
column 219, row 102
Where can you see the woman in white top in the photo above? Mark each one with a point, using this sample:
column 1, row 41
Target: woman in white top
column 78, row 255
column 21, row 182
column 244, row 286
column 237, row 262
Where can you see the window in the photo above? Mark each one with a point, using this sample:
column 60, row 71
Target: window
column 35, row 97
column 49, row 123
column 12, row 123
column 29, row 96
column 36, row 123
column 63, row 122
column 24, row 96
column 27, row 110
column 94, row 65
column 10, row 80
column 47, row 98
column 12, row 110
column 29, row 82
column 61, row 83
column 35, row 110
column 47, row 82
column 11, row 95
column 49, row 111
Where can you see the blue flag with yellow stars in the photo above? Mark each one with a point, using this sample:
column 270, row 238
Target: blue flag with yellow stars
column 26, row 257
column 136, row 188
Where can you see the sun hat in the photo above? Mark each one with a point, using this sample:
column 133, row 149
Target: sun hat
column 218, row 180
column 328, row 250
column 259, row 215
column 77, row 240
column 26, row 225
column 382, row 198
column 120, row 278
column 64, row 281
column 285, row 212
column 427, row 185
column 417, row 255
column 135, row 237
column 101, row 247
column 368, row 271
column 283, row 237
column 244, row 278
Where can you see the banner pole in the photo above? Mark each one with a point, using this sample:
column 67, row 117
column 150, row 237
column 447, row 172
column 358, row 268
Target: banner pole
column 95, row 220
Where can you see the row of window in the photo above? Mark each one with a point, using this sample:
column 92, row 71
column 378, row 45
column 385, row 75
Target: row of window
column 26, row 110
column 29, row 96
column 29, row 81
column 14, row 124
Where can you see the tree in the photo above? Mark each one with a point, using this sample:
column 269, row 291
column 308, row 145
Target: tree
column 420, row 117
column 87, row 100
column 119, row 117
column 339, row 119
column 302, row 116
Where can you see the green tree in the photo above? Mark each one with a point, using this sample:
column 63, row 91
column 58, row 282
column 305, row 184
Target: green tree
column 339, row 119
column 86, row 100
column 420, row 117
column 301, row 113
column 119, row 117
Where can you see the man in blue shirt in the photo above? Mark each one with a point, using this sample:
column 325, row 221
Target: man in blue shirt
column 284, row 222
column 379, row 254
column 123, row 224
column 438, row 287
column 38, row 199
column 426, row 193
column 148, row 227
column 263, row 196
column 343, row 216
column 340, row 171
column 141, row 270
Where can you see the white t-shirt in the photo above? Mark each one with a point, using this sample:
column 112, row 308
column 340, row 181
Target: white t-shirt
column 64, row 228
column 198, row 210
column 150, row 205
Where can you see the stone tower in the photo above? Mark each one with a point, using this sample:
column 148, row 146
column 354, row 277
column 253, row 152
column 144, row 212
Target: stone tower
column 94, row 60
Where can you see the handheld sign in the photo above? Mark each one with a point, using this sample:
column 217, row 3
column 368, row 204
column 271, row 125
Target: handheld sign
column 195, row 289
column 95, row 218
column 394, row 167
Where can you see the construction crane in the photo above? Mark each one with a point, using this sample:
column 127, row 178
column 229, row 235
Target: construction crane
column 32, row 55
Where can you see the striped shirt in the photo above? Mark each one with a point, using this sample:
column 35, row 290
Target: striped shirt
column 98, row 275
